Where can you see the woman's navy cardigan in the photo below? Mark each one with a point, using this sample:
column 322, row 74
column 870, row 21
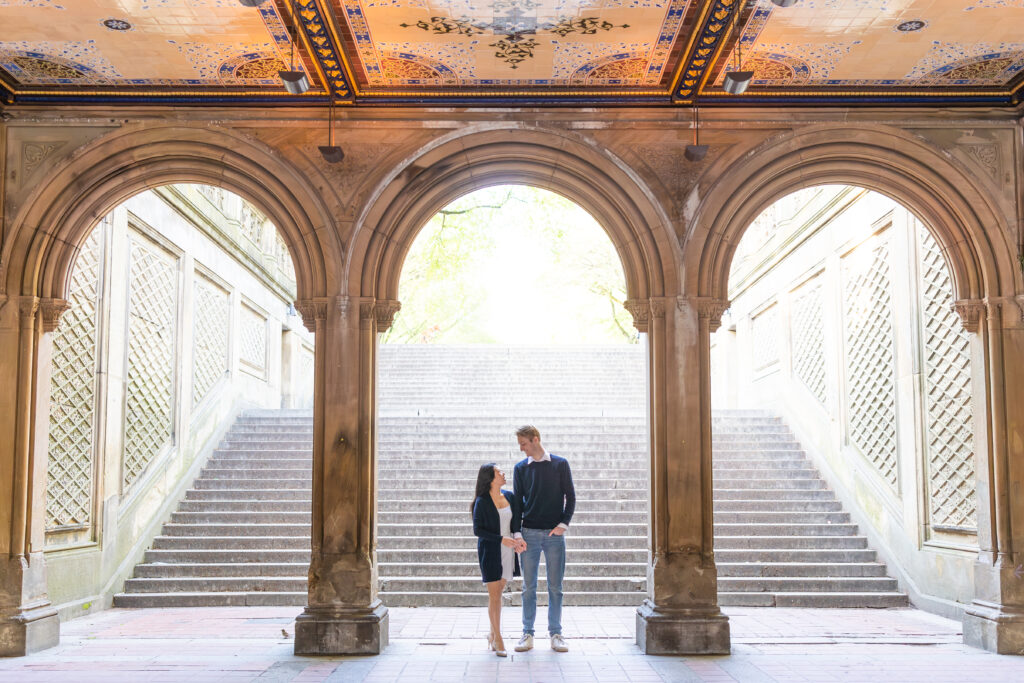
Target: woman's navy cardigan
column 487, row 528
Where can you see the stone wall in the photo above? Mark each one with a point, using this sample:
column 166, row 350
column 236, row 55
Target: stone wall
column 180, row 317
column 842, row 318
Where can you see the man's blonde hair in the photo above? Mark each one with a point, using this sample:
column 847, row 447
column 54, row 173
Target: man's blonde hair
column 528, row 432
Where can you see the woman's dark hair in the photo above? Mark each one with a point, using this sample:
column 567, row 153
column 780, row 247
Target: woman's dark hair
column 483, row 482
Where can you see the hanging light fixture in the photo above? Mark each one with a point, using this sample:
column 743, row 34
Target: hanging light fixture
column 785, row 3
column 331, row 153
column 696, row 151
column 294, row 81
column 251, row 3
column 736, row 82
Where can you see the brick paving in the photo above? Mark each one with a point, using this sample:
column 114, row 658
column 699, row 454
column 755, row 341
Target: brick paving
column 447, row 644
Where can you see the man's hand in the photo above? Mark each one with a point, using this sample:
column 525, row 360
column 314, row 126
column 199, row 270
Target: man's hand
column 520, row 545
column 557, row 531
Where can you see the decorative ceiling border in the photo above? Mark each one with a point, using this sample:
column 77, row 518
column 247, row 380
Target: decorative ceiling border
column 324, row 47
column 704, row 49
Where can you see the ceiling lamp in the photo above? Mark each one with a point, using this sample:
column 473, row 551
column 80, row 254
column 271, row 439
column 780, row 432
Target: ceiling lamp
column 785, row 3
column 294, row 81
column 695, row 152
column 254, row 3
column 331, row 153
column 736, row 81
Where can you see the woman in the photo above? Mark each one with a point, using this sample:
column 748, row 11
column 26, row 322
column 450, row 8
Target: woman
column 496, row 516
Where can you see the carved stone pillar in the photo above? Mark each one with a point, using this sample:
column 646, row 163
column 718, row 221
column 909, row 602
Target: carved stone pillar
column 680, row 614
column 28, row 622
column 344, row 615
column 994, row 620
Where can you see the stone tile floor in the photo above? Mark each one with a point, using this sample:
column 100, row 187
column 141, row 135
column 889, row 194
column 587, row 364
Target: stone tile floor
column 447, row 644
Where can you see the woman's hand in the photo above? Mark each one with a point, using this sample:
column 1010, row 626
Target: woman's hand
column 508, row 542
column 520, row 545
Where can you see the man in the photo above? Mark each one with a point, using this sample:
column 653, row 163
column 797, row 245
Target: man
column 543, row 483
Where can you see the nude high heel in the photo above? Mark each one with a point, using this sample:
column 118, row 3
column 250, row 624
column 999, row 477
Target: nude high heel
column 497, row 652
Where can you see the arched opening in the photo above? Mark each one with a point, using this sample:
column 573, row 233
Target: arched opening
column 845, row 401
column 512, row 313
column 180, row 386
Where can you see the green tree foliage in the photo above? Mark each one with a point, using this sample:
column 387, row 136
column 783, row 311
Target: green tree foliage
column 512, row 264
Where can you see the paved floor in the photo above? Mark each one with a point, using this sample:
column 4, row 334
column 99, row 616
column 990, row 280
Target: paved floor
column 438, row 644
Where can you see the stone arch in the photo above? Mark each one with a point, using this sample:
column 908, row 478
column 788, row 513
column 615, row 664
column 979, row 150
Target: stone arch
column 959, row 212
column 555, row 161
column 59, row 214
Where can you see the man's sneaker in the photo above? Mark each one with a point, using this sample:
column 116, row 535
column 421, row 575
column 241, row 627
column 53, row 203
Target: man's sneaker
column 558, row 643
column 525, row 643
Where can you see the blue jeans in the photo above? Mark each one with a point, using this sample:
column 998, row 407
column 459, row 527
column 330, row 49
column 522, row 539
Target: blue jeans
column 553, row 547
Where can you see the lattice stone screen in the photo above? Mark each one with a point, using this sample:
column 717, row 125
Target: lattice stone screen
column 251, row 222
column 947, row 393
column 870, row 385
column 210, row 336
column 149, row 403
column 809, row 338
column 69, row 469
column 764, row 337
column 253, row 330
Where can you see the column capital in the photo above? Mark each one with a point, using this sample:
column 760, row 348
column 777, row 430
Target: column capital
column 707, row 307
column 640, row 309
column 52, row 310
column 384, row 311
column 312, row 310
column 970, row 312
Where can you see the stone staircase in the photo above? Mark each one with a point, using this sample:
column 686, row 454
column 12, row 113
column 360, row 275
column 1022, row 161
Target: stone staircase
column 241, row 535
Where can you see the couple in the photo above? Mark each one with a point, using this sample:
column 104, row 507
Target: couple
column 531, row 520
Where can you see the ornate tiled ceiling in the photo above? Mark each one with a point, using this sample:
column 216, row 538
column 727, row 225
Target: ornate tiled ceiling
column 513, row 51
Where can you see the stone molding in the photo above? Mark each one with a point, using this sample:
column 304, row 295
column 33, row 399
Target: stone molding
column 52, row 310
column 311, row 311
column 384, row 311
column 970, row 312
column 640, row 309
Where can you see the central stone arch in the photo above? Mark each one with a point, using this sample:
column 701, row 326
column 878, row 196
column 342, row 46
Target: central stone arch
column 345, row 615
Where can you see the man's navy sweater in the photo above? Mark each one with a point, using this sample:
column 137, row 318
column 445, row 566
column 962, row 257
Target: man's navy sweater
column 545, row 491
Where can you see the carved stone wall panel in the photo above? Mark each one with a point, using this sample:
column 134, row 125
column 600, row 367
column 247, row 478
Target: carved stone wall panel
column 808, row 335
column 253, row 337
column 211, row 321
column 952, row 501
column 69, row 470
column 149, row 401
column 870, row 354
column 764, row 338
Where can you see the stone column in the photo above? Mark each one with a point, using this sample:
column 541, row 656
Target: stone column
column 28, row 622
column 681, row 614
column 994, row 621
column 344, row 615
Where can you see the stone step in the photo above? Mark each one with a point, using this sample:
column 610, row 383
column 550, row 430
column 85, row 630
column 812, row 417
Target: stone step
column 788, row 518
column 813, row 554
column 778, row 506
column 238, row 529
column 725, row 493
column 459, row 515
column 219, row 556
column 222, row 569
column 806, row 584
column 801, row 569
column 245, row 506
column 252, row 484
column 771, row 464
column 432, row 528
column 831, row 599
column 221, row 599
column 468, row 555
column 461, row 505
column 211, row 473
column 244, row 517
column 287, row 457
column 386, row 475
column 789, row 542
column 263, row 494
column 400, row 495
column 765, row 483
column 457, row 569
column 463, row 541
column 232, row 543
column 291, row 466
column 589, row 484
column 479, row 599
column 470, row 583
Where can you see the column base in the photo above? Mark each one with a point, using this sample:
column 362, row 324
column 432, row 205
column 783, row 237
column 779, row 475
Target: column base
column 994, row 628
column 325, row 631
column 681, row 632
column 30, row 630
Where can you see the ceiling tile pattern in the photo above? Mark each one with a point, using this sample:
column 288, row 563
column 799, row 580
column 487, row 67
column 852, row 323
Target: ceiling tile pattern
column 538, row 51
